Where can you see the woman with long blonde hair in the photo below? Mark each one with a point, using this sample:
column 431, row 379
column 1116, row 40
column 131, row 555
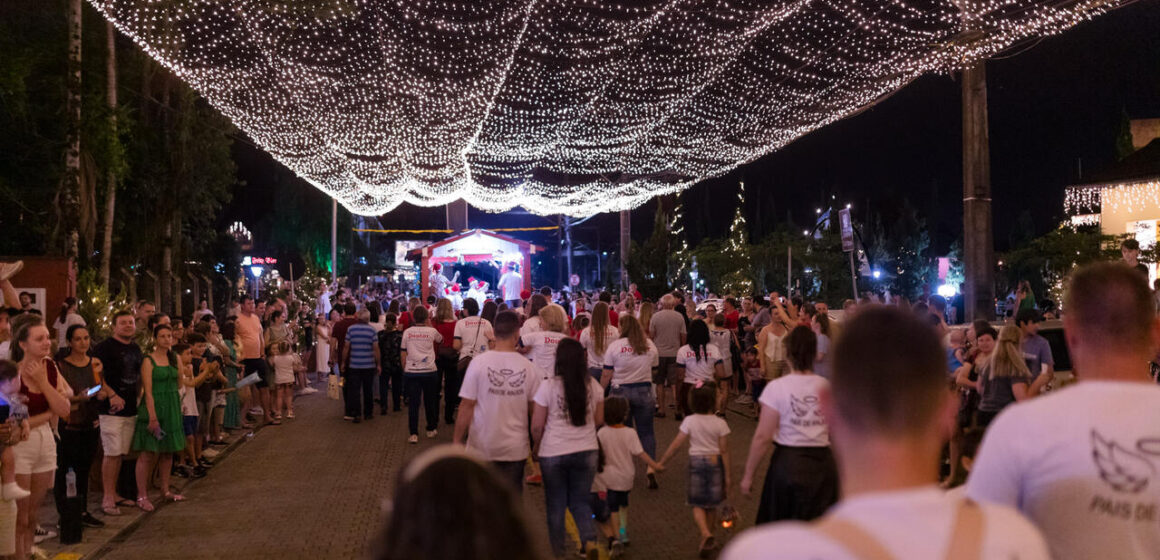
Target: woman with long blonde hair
column 596, row 338
column 629, row 363
column 647, row 309
column 1003, row 378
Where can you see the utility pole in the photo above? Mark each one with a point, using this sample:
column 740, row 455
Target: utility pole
column 625, row 235
column 978, row 243
column 334, row 240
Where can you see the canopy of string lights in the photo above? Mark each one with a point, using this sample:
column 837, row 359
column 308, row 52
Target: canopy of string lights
column 559, row 106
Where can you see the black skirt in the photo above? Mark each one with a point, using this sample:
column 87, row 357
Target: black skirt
column 801, row 484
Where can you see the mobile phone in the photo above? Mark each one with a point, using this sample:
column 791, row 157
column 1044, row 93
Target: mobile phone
column 159, row 434
column 93, row 390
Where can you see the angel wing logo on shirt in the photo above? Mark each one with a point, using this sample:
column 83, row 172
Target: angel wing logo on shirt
column 805, row 405
column 1121, row 469
column 499, row 378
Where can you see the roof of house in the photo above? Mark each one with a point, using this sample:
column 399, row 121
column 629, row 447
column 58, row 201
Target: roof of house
column 1140, row 165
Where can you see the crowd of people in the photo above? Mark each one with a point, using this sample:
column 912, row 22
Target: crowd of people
column 889, row 433
column 893, row 434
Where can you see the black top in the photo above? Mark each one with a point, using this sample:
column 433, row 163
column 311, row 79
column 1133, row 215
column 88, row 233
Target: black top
column 83, row 414
column 204, row 392
column 122, row 373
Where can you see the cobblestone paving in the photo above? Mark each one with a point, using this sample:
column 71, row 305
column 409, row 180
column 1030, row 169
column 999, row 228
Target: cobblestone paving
column 315, row 488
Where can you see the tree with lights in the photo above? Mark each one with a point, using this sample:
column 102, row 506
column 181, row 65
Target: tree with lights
column 679, row 254
column 737, row 251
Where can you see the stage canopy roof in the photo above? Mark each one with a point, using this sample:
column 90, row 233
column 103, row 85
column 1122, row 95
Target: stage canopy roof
column 559, row 106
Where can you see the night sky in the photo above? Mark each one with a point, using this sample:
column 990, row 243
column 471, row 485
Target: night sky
column 1053, row 104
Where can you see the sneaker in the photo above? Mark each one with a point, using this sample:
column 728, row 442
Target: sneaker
column 615, row 548
column 744, row 399
column 180, row 470
column 534, row 479
column 432, row 433
column 348, row 418
column 37, row 553
column 203, row 462
column 198, row 472
column 413, row 439
column 652, row 481
column 90, row 521
column 8, row 270
column 42, row 535
column 310, row 390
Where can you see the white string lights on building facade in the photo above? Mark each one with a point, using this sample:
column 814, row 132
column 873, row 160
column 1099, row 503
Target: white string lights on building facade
column 574, row 106
column 1115, row 198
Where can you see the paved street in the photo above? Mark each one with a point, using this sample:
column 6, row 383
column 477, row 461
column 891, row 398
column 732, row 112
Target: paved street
column 315, row 487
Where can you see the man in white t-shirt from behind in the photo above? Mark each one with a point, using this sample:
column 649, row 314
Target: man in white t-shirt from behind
column 888, row 413
column 497, row 402
column 1083, row 463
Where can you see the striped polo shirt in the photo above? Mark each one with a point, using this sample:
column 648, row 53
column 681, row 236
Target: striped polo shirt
column 361, row 337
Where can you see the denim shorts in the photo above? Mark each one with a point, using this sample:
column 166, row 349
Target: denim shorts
column 189, row 425
column 706, row 481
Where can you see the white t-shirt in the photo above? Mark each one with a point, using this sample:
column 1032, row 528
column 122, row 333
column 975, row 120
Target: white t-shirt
column 419, row 344
column 62, row 329
column 498, row 383
column 704, row 431
column 188, row 397
column 542, row 352
column 596, row 361
column 510, row 285
column 561, row 437
column 795, row 398
column 533, row 324
column 6, row 350
column 698, row 370
column 473, row 334
column 913, row 523
column 284, row 367
column 1083, row 463
column 620, row 445
column 627, row 366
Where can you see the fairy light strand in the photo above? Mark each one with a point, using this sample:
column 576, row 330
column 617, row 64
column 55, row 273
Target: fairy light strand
column 559, row 106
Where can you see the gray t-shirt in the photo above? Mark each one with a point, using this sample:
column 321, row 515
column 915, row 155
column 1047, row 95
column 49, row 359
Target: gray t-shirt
column 1037, row 351
column 996, row 392
column 667, row 326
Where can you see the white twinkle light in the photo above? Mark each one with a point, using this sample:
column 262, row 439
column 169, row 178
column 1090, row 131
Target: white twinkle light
column 573, row 106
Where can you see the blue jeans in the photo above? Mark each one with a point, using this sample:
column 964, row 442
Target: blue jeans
column 641, row 406
column 567, row 486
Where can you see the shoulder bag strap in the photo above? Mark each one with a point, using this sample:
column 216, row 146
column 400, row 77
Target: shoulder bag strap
column 966, row 542
column 854, row 539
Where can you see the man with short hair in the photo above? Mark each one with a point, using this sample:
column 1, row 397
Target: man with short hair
column 360, row 352
column 888, row 414
column 761, row 318
column 496, row 402
column 248, row 327
column 1036, row 350
column 510, row 285
column 1082, row 463
column 667, row 330
column 117, row 411
column 1130, row 251
column 338, row 333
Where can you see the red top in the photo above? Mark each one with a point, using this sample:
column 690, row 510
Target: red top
column 447, row 329
column 614, row 318
column 404, row 320
column 37, row 403
column 731, row 320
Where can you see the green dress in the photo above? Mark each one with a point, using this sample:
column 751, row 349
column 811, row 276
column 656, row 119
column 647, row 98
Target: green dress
column 167, row 405
column 233, row 404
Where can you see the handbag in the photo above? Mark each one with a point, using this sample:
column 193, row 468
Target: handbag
column 465, row 361
column 332, row 390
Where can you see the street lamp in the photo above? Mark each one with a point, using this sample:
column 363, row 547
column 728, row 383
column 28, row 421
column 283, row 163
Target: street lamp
column 256, row 271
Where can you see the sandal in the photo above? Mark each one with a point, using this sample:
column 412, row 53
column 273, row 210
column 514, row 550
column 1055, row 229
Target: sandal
column 174, row 497
column 707, row 546
column 145, row 504
column 125, row 502
column 111, row 511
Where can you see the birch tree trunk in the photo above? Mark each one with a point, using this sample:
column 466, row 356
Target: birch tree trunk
column 111, row 177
